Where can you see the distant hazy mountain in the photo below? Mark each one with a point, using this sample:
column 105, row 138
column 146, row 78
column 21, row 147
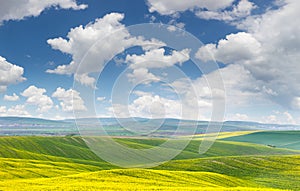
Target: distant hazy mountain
column 124, row 126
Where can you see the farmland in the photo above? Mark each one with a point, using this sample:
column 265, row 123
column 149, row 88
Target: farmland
column 66, row 163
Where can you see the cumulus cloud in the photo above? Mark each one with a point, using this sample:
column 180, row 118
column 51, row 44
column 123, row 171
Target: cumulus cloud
column 270, row 59
column 240, row 86
column 9, row 74
column 188, row 99
column 2, row 109
column 13, row 97
column 169, row 7
column 237, row 47
column 154, row 58
column 239, row 11
column 261, row 63
column 17, row 110
column 150, row 106
column 279, row 118
column 213, row 9
column 36, row 96
column 199, row 96
column 70, row 100
column 174, row 25
column 112, row 38
column 19, row 9
column 142, row 75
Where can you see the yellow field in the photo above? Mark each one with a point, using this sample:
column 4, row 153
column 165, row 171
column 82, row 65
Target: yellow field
column 132, row 179
column 223, row 135
column 66, row 163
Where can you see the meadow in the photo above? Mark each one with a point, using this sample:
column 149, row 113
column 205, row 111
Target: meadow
column 236, row 161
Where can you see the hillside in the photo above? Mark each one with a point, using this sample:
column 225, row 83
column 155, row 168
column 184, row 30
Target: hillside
column 270, row 171
column 66, row 163
column 74, row 148
column 134, row 179
column 278, row 139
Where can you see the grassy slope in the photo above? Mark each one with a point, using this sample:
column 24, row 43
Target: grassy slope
column 66, row 162
column 271, row 171
column 280, row 139
column 219, row 148
column 73, row 149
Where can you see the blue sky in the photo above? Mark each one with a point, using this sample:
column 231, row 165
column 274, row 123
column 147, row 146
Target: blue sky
column 42, row 45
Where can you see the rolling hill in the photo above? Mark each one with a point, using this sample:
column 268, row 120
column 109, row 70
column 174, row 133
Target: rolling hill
column 278, row 139
column 66, row 163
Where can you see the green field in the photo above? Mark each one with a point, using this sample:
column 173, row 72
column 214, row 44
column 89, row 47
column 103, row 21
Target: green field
column 280, row 139
column 232, row 163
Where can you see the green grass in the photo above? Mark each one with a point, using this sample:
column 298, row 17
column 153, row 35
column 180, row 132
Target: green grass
column 219, row 148
column 279, row 139
column 70, row 147
column 66, row 163
column 24, row 168
column 74, row 149
column 271, row 171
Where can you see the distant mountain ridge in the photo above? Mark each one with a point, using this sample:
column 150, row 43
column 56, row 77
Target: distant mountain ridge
column 122, row 126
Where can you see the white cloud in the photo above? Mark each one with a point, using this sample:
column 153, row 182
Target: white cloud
column 169, row 7
column 17, row 110
column 14, row 97
column 149, row 106
column 142, row 75
column 235, row 48
column 19, row 9
column 101, row 99
column 289, row 118
column 9, row 74
column 2, row 109
column 154, row 106
column 36, row 96
column 242, row 92
column 194, row 101
column 212, row 9
column 271, row 119
column 240, row 86
column 112, row 38
column 154, row 58
column 279, row 118
column 241, row 10
column 269, row 53
column 195, row 94
column 174, row 25
column 296, row 103
column 85, row 79
column 70, row 100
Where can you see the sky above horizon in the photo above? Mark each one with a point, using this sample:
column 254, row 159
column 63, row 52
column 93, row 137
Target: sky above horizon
column 52, row 52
